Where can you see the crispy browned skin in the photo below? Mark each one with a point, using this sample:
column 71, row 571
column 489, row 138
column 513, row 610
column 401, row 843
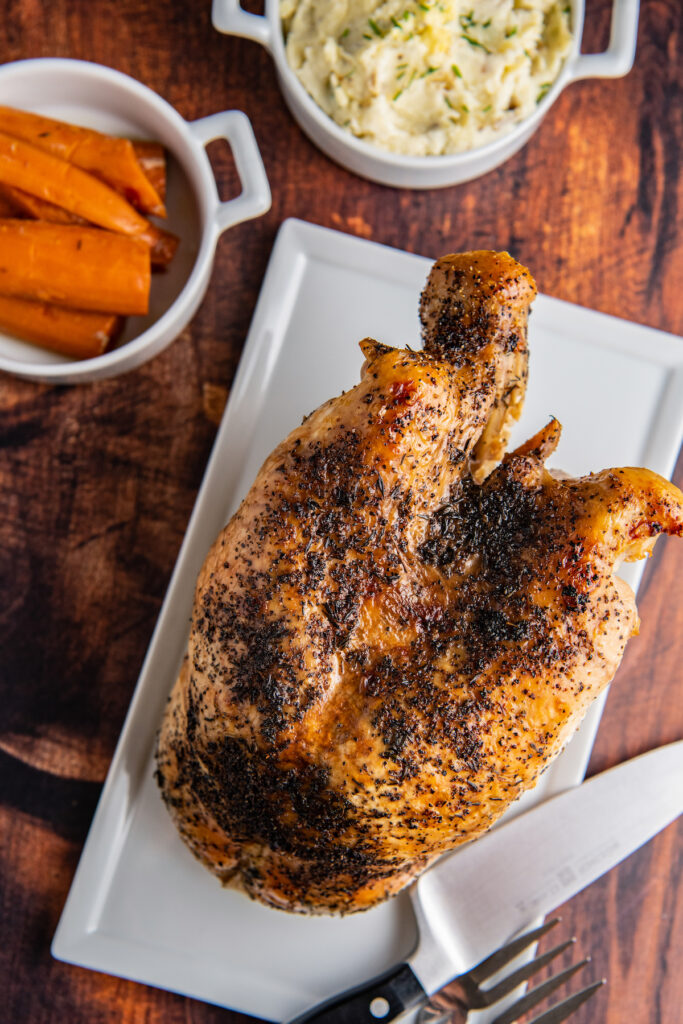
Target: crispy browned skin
column 466, row 304
column 384, row 654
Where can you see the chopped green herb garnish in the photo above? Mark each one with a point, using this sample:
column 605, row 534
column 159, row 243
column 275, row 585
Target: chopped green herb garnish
column 345, row 33
column 429, row 71
column 366, row 36
column 400, row 76
column 456, row 70
column 394, row 22
column 375, row 28
column 397, row 94
column 542, row 91
column 423, row 7
column 485, row 110
column 466, row 109
column 448, row 103
column 510, row 32
column 474, row 42
column 486, row 24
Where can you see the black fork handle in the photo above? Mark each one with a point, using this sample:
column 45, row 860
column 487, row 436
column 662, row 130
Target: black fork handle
column 376, row 1002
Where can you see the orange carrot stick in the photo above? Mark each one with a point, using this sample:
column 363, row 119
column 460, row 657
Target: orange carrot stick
column 152, row 159
column 56, row 181
column 73, row 266
column 23, row 204
column 163, row 250
column 111, row 159
column 72, row 332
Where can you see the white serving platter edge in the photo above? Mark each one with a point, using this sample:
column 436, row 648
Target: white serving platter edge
column 140, row 906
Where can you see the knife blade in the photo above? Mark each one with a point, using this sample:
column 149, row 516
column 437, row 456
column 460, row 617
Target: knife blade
column 480, row 895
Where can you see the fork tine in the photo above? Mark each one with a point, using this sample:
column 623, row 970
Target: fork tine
column 536, row 995
column 565, row 1009
column 503, row 956
column 523, row 973
column 556, row 1014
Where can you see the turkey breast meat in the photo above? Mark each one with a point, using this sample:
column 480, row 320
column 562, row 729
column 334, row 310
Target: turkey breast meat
column 392, row 639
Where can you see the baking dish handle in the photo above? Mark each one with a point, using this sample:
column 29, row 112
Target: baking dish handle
column 617, row 60
column 255, row 198
column 227, row 16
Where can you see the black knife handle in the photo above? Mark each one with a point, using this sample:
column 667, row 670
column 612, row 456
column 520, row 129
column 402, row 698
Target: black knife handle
column 377, row 1002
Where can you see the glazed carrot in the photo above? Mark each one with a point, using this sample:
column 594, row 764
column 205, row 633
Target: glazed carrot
column 163, row 250
column 72, row 332
column 111, row 159
column 56, row 181
column 23, row 204
column 152, row 159
column 74, row 266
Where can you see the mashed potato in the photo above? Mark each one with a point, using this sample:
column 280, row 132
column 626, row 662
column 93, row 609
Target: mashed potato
column 428, row 78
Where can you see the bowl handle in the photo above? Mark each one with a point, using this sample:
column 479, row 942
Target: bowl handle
column 617, row 60
column 227, row 16
column 255, row 198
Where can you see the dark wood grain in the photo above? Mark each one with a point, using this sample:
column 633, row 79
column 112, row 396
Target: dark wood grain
column 97, row 482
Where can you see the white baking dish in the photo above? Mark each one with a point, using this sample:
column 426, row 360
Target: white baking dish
column 98, row 97
column 368, row 160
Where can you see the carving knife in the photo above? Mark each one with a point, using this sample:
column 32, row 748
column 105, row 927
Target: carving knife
column 480, row 895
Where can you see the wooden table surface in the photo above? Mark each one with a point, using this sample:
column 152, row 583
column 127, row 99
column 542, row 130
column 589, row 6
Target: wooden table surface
column 97, row 482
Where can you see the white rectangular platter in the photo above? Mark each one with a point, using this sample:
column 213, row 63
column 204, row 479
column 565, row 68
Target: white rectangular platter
column 140, row 906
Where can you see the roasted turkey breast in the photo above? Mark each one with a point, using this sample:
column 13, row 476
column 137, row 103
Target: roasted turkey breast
column 385, row 650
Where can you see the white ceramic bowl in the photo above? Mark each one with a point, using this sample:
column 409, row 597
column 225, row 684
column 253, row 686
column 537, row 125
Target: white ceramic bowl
column 97, row 97
column 369, row 161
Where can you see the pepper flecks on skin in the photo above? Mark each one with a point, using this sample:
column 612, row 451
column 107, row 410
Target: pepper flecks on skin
column 398, row 631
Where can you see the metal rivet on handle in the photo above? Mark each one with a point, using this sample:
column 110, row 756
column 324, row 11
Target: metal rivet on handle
column 379, row 1007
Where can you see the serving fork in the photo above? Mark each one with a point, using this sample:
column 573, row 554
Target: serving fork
column 454, row 1003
